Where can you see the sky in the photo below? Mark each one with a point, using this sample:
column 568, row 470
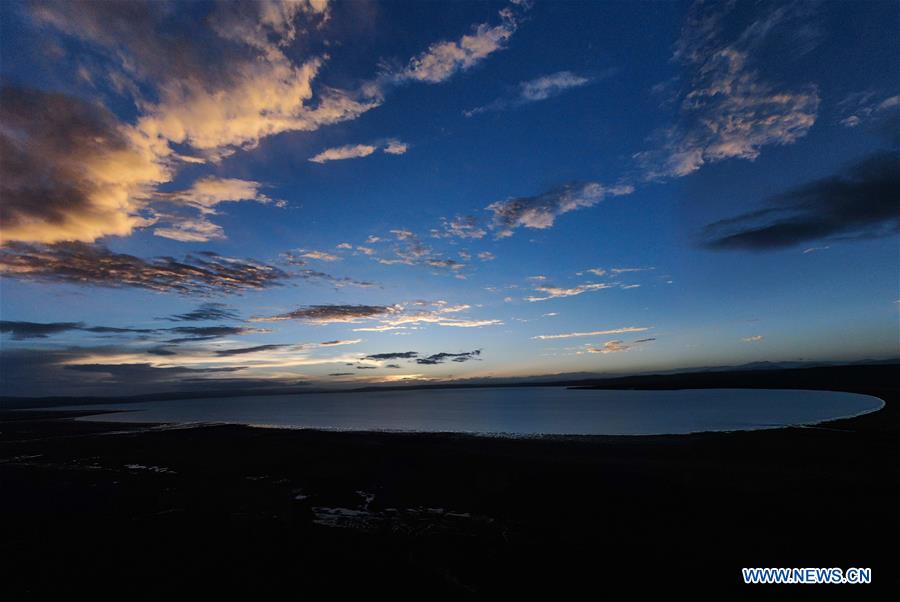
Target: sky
column 233, row 195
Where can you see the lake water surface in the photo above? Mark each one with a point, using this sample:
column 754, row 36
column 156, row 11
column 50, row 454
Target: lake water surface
column 514, row 411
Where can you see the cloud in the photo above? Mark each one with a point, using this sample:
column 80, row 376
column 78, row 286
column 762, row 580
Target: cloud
column 79, row 263
column 206, row 312
column 70, row 171
column 470, row 323
column 131, row 373
column 440, row 358
column 190, row 230
column 859, row 203
column 569, row 335
column 203, row 196
column 117, row 330
column 410, row 253
column 339, row 342
column 32, row 330
column 350, row 151
column 336, row 281
column 403, row 234
column 617, row 346
column 864, row 107
column 393, row 356
column 451, row 309
column 442, row 60
column 103, row 173
column 318, row 255
column 460, row 227
column 256, row 25
column 409, row 250
column 754, row 339
column 443, row 315
column 163, row 351
column 395, row 147
column 534, row 90
column 148, row 42
column 49, row 371
column 265, row 93
column 245, row 350
column 262, row 97
column 399, row 317
column 451, row 264
column 486, row 256
column 41, row 330
column 205, row 333
column 628, row 270
column 609, row 347
column 548, row 86
column 262, row 361
column 356, row 151
column 729, row 110
column 206, row 84
column 540, row 212
column 554, row 292
column 35, row 330
column 300, row 257
column 206, row 193
column 331, row 314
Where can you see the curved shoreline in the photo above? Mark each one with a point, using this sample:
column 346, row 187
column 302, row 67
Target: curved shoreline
column 87, row 415
column 876, row 380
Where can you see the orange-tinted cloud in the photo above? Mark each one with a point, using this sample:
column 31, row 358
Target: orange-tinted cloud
column 70, row 171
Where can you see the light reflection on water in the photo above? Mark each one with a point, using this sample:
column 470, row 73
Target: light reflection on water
column 515, row 411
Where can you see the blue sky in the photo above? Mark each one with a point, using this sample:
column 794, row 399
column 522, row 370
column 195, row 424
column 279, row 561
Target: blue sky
column 223, row 194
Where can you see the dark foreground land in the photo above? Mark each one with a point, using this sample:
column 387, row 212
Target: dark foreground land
column 95, row 511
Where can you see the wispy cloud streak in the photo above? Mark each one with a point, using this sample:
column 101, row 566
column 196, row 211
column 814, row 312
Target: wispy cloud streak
column 535, row 90
column 570, row 335
column 729, row 110
column 540, row 212
column 78, row 263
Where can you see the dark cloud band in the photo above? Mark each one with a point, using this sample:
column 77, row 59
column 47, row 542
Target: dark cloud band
column 206, row 312
column 331, row 313
column 79, row 263
column 393, row 356
column 860, row 203
column 440, row 358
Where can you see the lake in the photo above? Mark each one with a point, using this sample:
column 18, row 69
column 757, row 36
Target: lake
column 512, row 411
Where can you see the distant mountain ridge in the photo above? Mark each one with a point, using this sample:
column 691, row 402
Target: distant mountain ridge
column 753, row 375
